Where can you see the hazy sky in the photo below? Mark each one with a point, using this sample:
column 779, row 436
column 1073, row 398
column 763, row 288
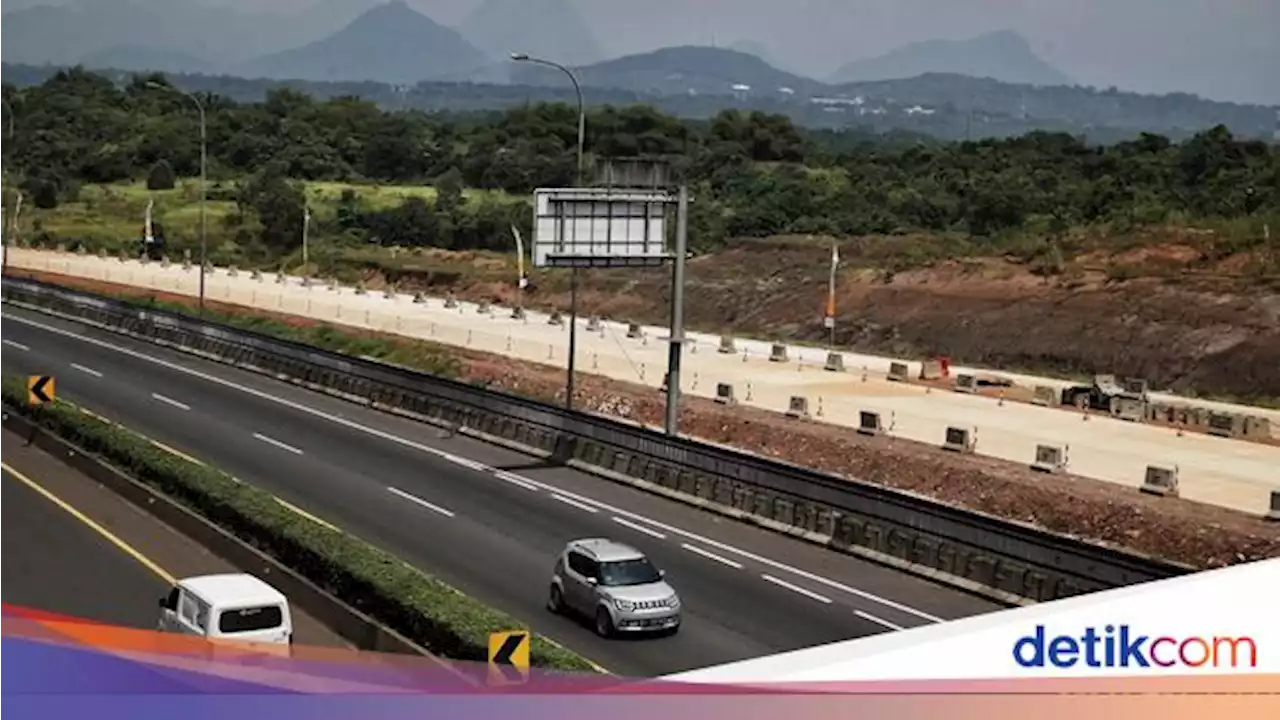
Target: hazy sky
column 1225, row 49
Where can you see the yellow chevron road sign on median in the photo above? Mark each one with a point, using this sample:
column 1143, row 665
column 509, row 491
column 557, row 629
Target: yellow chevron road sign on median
column 509, row 657
column 40, row 389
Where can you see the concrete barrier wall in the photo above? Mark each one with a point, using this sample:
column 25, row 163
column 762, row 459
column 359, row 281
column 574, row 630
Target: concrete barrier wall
column 991, row 556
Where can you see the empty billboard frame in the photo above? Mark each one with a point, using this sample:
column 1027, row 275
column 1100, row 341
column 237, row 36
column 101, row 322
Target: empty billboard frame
column 600, row 227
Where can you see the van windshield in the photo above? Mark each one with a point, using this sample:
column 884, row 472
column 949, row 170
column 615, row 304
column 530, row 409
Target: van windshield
column 250, row 619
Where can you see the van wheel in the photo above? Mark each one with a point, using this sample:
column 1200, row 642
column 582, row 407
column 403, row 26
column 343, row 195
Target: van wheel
column 555, row 602
column 604, row 623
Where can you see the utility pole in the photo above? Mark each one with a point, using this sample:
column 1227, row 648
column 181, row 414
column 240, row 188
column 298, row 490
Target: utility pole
column 204, row 159
column 573, row 273
column 306, row 225
column 7, row 220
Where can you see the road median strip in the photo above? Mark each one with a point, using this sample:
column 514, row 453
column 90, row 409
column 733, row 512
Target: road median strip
column 422, row 608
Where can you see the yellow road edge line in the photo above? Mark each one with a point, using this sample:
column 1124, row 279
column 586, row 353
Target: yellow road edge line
column 173, row 451
column 169, row 449
column 123, row 546
column 303, row 513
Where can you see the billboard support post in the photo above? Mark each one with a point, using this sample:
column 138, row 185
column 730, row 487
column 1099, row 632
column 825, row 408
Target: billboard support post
column 676, row 351
column 573, row 337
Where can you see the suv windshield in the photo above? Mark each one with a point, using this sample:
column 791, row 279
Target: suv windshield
column 628, row 572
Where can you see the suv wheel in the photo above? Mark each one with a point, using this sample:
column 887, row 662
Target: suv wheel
column 555, row 602
column 604, row 623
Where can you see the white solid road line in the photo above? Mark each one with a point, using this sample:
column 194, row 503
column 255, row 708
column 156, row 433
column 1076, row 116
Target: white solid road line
column 415, row 499
column 878, row 621
column 796, row 589
column 467, row 462
column 639, row 528
column 277, row 443
column 574, row 503
column 18, row 345
column 711, row 556
column 170, row 401
column 87, row 370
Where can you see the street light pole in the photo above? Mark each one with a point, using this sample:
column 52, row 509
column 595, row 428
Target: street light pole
column 4, row 191
column 573, row 273
column 204, row 162
column 8, row 233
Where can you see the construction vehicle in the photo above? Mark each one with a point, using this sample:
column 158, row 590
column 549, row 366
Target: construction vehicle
column 1105, row 394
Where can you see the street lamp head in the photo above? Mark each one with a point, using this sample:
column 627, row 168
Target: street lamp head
column 155, row 85
column 519, row 57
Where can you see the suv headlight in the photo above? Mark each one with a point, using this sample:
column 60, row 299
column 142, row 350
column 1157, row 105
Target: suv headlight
column 624, row 605
column 673, row 601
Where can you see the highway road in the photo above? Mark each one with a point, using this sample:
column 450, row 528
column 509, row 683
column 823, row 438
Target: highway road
column 486, row 519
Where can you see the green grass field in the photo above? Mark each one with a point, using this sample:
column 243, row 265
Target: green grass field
column 111, row 216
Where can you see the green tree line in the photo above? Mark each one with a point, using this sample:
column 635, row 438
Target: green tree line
column 753, row 174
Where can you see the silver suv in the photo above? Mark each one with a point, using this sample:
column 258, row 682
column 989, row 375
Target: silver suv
column 616, row 585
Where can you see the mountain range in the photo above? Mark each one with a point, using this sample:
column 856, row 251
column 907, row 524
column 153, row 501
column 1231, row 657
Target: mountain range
column 681, row 70
column 1003, row 55
column 391, row 42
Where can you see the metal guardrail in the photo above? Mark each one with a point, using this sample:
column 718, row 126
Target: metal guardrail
column 995, row 557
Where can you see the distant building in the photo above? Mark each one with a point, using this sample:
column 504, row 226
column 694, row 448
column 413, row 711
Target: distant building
column 838, row 100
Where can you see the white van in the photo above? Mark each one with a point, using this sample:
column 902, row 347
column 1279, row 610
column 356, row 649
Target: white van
column 233, row 607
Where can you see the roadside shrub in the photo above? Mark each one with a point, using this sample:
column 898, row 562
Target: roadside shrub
column 161, row 176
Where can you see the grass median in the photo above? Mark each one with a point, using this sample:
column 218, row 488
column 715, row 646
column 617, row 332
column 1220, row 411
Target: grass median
column 424, row 609
column 423, row 356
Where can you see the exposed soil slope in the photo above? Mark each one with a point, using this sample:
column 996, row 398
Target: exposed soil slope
column 1212, row 333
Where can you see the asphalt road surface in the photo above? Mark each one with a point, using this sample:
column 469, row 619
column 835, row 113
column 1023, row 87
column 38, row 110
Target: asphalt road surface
column 485, row 519
column 57, row 563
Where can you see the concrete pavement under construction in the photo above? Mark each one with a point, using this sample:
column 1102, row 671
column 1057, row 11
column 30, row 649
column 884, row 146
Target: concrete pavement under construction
column 1212, row 470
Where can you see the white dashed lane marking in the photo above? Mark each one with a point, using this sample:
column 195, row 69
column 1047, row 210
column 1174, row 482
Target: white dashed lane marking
column 711, row 556
column 170, row 401
column 797, row 589
column 419, row 501
column 86, row 370
column 277, row 443
column 878, row 621
column 574, row 503
column 639, row 528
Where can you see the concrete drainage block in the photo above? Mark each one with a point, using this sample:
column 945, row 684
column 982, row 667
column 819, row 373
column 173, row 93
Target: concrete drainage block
column 1050, row 458
column 1161, row 481
column 869, row 423
column 725, row 394
column 798, row 407
column 960, row 440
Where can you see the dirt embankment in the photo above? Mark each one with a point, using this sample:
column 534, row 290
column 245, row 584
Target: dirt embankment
column 1189, row 333
column 1200, row 535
